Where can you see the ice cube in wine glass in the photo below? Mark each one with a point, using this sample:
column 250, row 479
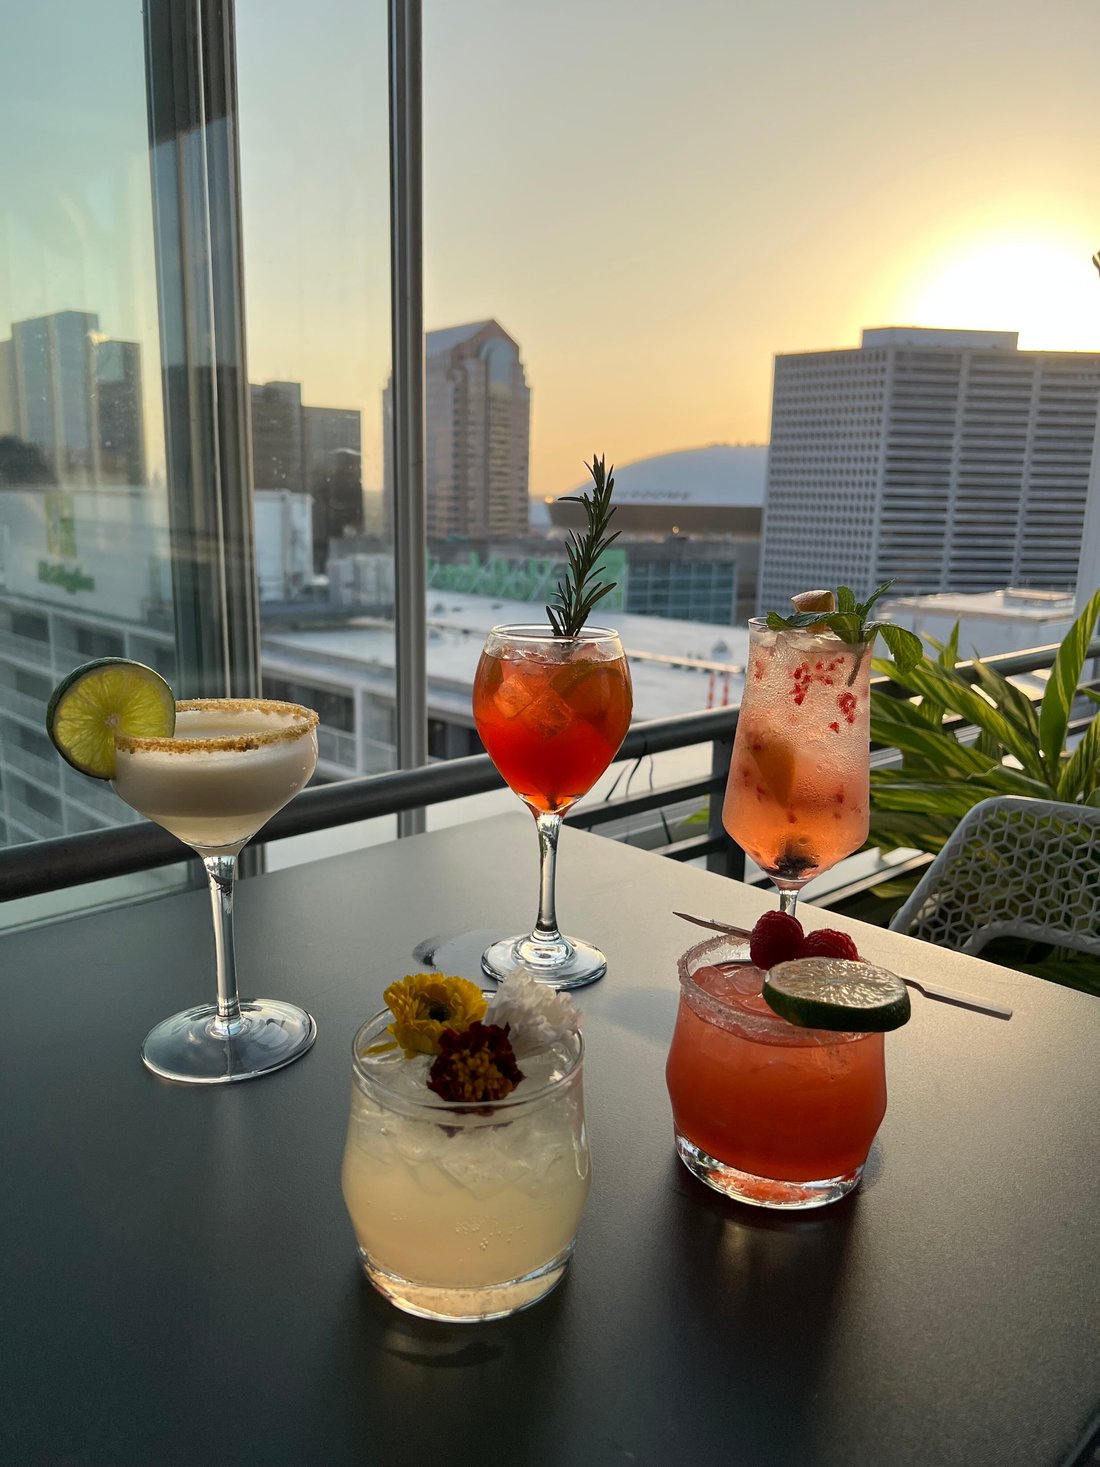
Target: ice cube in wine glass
column 548, row 715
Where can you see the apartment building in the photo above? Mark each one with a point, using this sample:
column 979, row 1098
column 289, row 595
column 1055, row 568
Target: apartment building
column 944, row 460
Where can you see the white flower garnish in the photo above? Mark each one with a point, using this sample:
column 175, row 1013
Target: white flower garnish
column 538, row 1015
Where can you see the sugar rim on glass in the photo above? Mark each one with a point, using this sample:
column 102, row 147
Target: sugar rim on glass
column 746, row 1023
column 303, row 720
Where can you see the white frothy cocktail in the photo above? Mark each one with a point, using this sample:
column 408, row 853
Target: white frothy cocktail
column 229, row 766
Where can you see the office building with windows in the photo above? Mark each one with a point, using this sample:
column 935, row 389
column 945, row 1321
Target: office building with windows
column 73, row 397
column 478, row 432
column 309, row 450
column 943, row 460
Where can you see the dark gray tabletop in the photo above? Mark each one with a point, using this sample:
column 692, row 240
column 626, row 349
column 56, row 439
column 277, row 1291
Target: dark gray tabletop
column 178, row 1279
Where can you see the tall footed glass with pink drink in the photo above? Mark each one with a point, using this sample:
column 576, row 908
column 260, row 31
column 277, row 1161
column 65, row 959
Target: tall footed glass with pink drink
column 797, row 798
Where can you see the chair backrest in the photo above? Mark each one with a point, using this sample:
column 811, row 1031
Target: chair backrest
column 1013, row 867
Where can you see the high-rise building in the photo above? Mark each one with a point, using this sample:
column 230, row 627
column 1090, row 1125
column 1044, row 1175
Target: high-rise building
column 478, row 429
column 333, row 450
column 309, row 450
column 73, row 396
column 277, row 459
column 119, row 417
column 8, row 419
column 944, row 460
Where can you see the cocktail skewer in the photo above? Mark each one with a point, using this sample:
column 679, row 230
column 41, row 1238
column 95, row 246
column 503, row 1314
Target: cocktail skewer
column 929, row 990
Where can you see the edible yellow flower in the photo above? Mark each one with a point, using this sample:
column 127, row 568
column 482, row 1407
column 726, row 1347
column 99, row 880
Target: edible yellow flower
column 424, row 1004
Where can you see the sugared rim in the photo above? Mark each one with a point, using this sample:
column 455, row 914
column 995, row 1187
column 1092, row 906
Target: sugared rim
column 711, row 952
column 303, row 720
column 539, row 632
column 433, row 1105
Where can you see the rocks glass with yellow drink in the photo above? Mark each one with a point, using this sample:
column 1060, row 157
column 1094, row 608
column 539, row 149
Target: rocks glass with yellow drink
column 466, row 1165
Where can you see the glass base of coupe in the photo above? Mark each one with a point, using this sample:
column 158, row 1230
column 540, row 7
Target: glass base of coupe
column 552, row 704
column 466, row 1166
column 211, row 771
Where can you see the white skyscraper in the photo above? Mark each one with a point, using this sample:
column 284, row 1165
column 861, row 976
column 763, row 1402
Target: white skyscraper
column 946, row 460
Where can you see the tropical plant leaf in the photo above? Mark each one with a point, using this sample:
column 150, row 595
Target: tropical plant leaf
column 1062, row 685
column 930, row 680
column 948, row 657
column 1092, row 693
column 1080, row 774
column 895, row 829
column 985, row 743
column 1003, row 780
column 950, row 800
column 1013, row 702
column 900, row 726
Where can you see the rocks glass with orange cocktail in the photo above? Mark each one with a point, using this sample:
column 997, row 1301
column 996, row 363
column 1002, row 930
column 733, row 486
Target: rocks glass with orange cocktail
column 552, row 704
column 776, row 1070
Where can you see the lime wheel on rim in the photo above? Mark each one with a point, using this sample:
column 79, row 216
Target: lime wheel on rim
column 101, row 698
column 837, row 994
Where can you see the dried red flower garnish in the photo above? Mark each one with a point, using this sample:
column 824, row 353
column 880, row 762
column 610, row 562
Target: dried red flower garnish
column 474, row 1065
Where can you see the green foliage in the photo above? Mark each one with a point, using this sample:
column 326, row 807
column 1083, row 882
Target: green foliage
column 1018, row 751
column 849, row 622
column 581, row 588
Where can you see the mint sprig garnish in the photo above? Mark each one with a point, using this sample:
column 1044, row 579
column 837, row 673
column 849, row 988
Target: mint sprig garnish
column 849, row 622
column 580, row 590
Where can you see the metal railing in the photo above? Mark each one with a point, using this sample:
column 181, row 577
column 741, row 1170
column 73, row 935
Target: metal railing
column 50, row 865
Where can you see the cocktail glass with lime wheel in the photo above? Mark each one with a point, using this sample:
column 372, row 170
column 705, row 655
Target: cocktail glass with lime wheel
column 212, row 772
column 778, row 1081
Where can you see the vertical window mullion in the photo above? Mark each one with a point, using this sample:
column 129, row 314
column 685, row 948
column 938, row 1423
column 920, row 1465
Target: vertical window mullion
column 196, row 207
column 407, row 307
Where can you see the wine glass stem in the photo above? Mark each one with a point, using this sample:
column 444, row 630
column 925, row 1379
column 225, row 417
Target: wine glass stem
column 788, row 900
column 549, row 828
column 221, row 872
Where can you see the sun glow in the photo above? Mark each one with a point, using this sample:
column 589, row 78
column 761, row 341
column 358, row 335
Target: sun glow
column 1046, row 289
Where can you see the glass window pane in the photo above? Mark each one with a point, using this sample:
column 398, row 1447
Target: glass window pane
column 683, row 218
column 84, row 550
column 314, row 137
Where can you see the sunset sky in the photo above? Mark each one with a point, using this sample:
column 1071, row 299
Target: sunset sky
column 653, row 199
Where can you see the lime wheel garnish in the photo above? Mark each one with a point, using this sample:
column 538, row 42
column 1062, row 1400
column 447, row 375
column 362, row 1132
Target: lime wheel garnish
column 836, row 994
column 101, row 698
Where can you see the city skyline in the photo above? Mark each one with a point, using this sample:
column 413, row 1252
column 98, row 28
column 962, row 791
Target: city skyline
column 655, row 221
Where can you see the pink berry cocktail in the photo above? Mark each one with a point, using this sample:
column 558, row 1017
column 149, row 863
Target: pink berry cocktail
column 798, row 791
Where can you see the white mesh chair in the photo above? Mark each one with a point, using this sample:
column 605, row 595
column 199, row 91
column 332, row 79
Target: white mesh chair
column 1017, row 868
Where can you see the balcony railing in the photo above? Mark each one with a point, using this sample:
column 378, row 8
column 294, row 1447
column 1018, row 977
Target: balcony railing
column 52, row 864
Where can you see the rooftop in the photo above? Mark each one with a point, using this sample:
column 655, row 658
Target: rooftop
column 676, row 666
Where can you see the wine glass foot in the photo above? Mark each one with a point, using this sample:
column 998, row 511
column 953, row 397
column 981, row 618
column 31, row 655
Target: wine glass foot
column 188, row 1048
column 568, row 963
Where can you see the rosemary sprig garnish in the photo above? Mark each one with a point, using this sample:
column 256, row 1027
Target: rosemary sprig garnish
column 580, row 590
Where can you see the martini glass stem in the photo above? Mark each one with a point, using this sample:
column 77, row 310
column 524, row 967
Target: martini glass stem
column 549, row 828
column 221, row 873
